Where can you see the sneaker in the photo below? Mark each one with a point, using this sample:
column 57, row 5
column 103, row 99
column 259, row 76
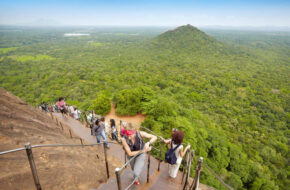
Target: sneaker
column 137, row 182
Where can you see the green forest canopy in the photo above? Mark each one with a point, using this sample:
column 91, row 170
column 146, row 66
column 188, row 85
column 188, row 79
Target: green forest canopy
column 228, row 91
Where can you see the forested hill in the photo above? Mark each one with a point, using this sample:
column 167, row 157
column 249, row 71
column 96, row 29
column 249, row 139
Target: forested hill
column 231, row 97
column 187, row 39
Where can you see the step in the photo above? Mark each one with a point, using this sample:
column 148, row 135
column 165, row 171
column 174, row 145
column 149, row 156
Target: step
column 127, row 176
column 162, row 181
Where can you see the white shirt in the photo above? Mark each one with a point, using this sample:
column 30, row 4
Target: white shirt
column 71, row 109
column 77, row 114
column 89, row 117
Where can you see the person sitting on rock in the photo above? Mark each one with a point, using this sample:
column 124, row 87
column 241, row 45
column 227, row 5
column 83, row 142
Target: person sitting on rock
column 133, row 144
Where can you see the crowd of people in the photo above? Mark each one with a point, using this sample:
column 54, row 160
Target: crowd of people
column 133, row 143
column 62, row 107
column 131, row 138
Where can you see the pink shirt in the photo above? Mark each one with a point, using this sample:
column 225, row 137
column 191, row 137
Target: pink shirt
column 61, row 104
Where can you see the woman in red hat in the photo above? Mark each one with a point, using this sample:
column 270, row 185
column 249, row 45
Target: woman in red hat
column 133, row 144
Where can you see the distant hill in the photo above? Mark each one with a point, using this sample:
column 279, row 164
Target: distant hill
column 188, row 39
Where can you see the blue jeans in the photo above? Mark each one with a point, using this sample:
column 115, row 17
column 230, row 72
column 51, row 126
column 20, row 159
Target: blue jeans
column 103, row 135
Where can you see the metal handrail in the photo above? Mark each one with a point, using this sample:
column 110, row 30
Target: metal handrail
column 12, row 150
column 28, row 147
column 157, row 135
column 152, row 132
column 63, row 145
column 128, row 162
column 195, row 182
column 217, row 177
column 155, row 148
column 184, row 169
column 119, row 170
column 50, row 145
column 212, row 172
column 128, row 187
column 188, row 169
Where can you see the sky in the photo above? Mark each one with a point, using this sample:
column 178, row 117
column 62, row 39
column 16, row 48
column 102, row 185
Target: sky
column 255, row 13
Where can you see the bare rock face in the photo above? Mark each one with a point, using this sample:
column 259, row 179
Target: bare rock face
column 58, row 168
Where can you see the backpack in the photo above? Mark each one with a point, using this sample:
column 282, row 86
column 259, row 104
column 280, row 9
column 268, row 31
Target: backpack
column 170, row 156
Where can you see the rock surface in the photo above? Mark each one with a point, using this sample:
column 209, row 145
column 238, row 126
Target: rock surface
column 58, row 168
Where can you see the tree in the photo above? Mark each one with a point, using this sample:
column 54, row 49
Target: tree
column 101, row 105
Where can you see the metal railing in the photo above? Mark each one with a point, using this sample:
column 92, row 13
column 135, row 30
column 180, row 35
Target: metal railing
column 217, row 177
column 189, row 157
column 118, row 171
column 28, row 147
column 195, row 182
column 187, row 169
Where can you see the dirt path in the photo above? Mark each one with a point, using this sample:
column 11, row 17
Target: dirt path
column 137, row 119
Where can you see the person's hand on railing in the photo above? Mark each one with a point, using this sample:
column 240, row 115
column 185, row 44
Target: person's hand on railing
column 147, row 147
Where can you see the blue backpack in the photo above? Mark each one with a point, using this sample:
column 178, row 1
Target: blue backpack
column 170, row 156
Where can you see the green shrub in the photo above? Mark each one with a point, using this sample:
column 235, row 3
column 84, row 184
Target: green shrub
column 101, row 105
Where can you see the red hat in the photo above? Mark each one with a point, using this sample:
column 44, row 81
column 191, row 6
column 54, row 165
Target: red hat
column 129, row 132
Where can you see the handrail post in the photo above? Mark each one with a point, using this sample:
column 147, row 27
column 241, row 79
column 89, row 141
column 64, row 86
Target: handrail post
column 188, row 171
column 148, row 167
column 125, row 158
column 184, row 169
column 160, row 154
column 118, row 178
column 32, row 165
column 195, row 182
column 70, row 134
column 86, row 119
column 61, row 125
column 106, row 160
column 82, row 142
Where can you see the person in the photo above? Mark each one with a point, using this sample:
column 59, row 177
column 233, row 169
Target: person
column 76, row 113
column 166, row 141
column 56, row 107
column 123, row 126
column 90, row 119
column 107, row 126
column 114, row 132
column 51, row 109
column 99, row 131
column 43, row 106
column 61, row 105
column 176, row 143
column 133, row 145
column 71, row 110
